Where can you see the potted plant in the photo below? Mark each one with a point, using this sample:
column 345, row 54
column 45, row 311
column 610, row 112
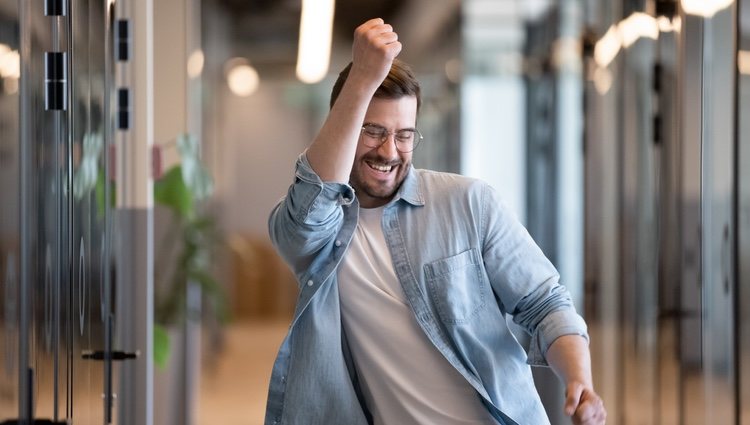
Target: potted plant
column 183, row 255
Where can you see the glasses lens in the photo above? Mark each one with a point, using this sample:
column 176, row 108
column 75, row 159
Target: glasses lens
column 374, row 135
column 406, row 140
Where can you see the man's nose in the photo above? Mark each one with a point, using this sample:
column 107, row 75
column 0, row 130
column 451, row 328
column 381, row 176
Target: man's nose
column 388, row 148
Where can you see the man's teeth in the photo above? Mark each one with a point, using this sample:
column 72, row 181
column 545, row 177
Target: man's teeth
column 384, row 168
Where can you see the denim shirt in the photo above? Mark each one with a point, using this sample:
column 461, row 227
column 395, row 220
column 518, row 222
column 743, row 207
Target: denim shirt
column 464, row 262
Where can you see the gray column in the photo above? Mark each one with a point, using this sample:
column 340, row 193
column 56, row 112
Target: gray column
column 134, row 222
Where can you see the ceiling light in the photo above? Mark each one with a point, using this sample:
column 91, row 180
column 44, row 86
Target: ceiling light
column 316, row 27
column 243, row 79
column 666, row 24
column 637, row 25
column 743, row 62
column 705, row 8
column 602, row 80
column 607, row 47
column 195, row 64
column 10, row 64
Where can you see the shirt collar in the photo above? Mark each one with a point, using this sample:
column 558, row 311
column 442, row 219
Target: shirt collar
column 410, row 190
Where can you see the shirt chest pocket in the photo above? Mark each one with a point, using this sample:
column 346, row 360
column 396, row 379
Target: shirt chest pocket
column 457, row 286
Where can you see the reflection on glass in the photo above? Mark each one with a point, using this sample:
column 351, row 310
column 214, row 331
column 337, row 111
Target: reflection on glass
column 9, row 208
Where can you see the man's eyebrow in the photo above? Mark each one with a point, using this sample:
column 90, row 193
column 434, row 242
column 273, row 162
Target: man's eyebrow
column 380, row 126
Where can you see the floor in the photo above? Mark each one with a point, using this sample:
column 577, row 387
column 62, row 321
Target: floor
column 233, row 386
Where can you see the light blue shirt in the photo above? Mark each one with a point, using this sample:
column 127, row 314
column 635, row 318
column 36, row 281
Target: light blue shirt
column 464, row 262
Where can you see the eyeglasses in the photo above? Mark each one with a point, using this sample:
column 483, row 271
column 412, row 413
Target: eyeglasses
column 406, row 139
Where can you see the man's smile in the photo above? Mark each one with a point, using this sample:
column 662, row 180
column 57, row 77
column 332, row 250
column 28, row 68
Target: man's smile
column 380, row 166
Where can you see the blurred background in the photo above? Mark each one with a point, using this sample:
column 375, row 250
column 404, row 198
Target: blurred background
column 143, row 144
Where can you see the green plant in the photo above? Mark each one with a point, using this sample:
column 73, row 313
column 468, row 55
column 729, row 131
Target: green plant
column 184, row 254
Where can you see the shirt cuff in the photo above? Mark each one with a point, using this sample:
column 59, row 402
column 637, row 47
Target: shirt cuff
column 555, row 325
column 313, row 198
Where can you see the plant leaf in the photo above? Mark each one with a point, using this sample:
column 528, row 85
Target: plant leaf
column 170, row 191
column 161, row 346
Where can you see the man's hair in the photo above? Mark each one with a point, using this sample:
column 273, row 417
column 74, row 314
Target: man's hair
column 399, row 83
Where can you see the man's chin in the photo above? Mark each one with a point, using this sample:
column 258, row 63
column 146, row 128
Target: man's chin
column 382, row 190
column 379, row 193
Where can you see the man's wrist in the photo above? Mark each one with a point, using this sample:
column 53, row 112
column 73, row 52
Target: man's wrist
column 362, row 83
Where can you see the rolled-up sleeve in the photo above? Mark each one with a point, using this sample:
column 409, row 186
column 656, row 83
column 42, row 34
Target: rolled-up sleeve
column 311, row 200
column 554, row 325
column 525, row 282
column 308, row 216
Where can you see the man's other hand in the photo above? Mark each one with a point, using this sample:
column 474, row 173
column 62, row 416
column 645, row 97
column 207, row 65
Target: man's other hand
column 584, row 405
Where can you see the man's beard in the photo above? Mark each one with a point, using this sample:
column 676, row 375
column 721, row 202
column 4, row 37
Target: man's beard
column 374, row 189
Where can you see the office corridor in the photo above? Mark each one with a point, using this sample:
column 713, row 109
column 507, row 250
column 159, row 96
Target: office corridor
column 233, row 386
column 143, row 144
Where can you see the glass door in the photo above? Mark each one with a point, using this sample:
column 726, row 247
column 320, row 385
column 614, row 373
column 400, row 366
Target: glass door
column 89, row 204
column 56, row 198
column 9, row 209
column 743, row 211
column 662, row 177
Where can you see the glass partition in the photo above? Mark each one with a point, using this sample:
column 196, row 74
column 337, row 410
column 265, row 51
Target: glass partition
column 54, row 205
column 743, row 211
column 660, row 185
column 9, row 209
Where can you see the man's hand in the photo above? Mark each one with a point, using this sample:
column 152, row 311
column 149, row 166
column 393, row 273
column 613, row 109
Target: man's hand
column 375, row 46
column 584, row 405
column 331, row 154
column 569, row 358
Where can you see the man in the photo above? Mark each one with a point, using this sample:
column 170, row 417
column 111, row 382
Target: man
column 406, row 277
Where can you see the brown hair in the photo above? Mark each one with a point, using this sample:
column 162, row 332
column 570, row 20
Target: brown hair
column 399, row 83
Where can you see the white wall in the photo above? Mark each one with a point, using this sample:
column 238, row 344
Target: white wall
column 170, row 77
column 262, row 136
column 493, row 137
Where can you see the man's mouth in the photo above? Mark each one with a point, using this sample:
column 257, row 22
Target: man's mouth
column 383, row 168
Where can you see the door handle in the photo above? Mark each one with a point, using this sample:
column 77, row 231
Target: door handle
column 114, row 355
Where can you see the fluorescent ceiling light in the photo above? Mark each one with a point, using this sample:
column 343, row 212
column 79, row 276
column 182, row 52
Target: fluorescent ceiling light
column 669, row 25
column 602, row 80
column 636, row 26
column 743, row 62
column 316, row 27
column 705, row 8
column 607, row 47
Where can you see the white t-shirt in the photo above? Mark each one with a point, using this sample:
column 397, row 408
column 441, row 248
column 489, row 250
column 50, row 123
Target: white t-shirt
column 405, row 379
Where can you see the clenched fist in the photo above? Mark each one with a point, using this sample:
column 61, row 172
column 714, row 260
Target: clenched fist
column 375, row 46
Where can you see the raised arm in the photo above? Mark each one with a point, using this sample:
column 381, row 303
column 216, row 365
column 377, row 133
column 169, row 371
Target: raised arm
column 331, row 154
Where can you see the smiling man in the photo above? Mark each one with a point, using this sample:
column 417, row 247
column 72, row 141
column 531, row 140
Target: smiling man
column 406, row 277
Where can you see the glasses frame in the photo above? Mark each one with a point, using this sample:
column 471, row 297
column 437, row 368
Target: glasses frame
column 386, row 133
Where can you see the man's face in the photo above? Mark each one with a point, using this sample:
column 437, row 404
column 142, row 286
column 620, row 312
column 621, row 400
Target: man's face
column 378, row 172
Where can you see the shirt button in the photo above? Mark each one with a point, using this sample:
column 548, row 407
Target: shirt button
column 310, row 282
column 338, row 243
